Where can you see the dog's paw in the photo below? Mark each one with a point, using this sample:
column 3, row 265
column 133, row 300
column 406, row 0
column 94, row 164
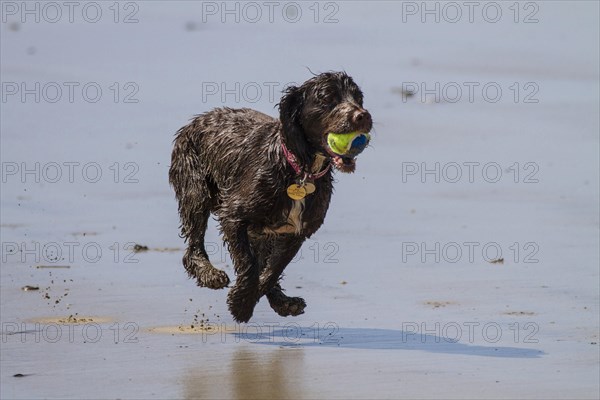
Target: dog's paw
column 241, row 303
column 241, row 312
column 286, row 306
column 213, row 278
column 206, row 275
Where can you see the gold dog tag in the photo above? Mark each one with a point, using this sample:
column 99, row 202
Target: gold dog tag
column 296, row 192
column 309, row 187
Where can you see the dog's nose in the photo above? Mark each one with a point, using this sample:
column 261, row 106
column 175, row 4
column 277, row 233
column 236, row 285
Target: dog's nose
column 362, row 118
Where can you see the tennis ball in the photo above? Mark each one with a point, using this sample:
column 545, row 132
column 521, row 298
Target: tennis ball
column 351, row 143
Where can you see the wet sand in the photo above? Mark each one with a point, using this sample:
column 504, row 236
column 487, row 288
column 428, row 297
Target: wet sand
column 389, row 314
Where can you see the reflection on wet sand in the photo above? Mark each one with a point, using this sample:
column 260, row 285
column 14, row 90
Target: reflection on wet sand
column 249, row 374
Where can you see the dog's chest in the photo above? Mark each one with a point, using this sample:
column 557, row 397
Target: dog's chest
column 294, row 217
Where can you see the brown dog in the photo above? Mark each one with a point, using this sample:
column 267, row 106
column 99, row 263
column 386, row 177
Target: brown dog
column 268, row 182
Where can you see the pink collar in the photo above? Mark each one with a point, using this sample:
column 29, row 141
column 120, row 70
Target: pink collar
column 293, row 161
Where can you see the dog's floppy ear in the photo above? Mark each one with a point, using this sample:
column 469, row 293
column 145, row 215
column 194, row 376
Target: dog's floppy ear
column 290, row 109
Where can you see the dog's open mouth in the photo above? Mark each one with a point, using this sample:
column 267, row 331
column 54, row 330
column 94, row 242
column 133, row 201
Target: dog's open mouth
column 344, row 164
column 344, row 147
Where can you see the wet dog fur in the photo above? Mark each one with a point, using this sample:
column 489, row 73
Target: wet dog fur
column 230, row 162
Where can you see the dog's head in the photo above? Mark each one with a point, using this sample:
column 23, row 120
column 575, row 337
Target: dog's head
column 328, row 103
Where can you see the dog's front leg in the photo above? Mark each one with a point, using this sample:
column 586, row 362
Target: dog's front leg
column 244, row 295
column 284, row 249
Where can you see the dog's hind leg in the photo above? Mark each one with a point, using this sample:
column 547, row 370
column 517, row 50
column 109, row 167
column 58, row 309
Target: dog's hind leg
column 196, row 260
column 196, row 195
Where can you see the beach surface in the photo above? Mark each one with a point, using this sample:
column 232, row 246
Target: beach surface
column 459, row 261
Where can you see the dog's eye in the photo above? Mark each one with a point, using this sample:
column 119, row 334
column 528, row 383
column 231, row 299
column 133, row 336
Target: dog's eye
column 327, row 99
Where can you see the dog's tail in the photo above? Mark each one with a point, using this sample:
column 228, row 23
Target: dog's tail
column 185, row 161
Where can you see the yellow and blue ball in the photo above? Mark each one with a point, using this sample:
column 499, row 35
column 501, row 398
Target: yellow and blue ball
column 348, row 144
